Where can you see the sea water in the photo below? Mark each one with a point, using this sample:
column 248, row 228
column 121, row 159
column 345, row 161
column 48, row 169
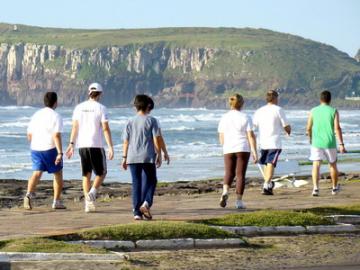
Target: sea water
column 190, row 134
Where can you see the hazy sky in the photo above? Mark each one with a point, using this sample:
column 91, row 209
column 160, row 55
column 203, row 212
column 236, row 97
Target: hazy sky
column 335, row 22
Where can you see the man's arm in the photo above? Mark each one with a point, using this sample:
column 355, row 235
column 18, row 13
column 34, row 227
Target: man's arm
column 163, row 149
column 29, row 137
column 125, row 152
column 157, row 143
column 287, row 129
column 108, row 139
column 73, row 135
column 252, row 140
column 338, row 133
column 58, row 145
column 221, row 138
column 309, row 127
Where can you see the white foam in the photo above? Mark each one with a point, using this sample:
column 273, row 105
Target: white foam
column 181, row 128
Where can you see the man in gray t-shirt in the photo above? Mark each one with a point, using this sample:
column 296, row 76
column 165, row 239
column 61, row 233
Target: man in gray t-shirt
column 139, row 132
column 142, row 154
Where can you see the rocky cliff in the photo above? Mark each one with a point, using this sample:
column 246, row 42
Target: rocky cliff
column 175, row 74
column 357, row 56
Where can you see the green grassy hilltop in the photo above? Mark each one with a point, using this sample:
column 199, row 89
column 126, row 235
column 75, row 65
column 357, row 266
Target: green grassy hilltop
column 208, row 63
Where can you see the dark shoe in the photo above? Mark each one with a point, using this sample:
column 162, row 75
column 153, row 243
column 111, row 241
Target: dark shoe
column 223, row 200
column 146, row 212
column 267, row 191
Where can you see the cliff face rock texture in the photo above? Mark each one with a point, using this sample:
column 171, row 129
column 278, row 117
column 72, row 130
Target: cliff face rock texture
column 177, row 66
column 357, row 56
column 28, row 70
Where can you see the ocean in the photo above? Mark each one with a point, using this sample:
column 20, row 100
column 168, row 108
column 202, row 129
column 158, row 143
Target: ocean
column 190, row 134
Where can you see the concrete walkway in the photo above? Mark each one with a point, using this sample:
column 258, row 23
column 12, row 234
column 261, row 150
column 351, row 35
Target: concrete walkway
column 17, row 222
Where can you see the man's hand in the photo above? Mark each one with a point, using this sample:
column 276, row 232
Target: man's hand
column 111, row 153
column 342, row 149
column 255, row 157
column 158, row 160
column 167, row 158
column 58, row 159
column 69, row 151
column 123, row 164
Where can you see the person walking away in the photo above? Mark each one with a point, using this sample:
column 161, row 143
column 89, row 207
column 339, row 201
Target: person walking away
column 237, row 138
column 270, row 120
column 90, row 120
column 323, row 126
column 44, row 133
column 142, row 154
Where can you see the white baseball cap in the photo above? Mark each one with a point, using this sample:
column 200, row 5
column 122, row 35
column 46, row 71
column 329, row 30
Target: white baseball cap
column 95, row 87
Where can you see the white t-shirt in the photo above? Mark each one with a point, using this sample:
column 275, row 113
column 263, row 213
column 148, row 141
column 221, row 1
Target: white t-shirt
column 90, row 116
column 235, row 125
column 270, row 120
column 43, row 125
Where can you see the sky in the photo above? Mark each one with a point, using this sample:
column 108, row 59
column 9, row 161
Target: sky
column 334, row 22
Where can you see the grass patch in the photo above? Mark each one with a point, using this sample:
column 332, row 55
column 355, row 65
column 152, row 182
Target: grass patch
column 45, row 245
column 149, row 231
column 270, row 218
column 335, row 210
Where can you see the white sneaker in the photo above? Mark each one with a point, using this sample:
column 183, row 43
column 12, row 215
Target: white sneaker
column 335, row 190
column 89, row 205
column 315, row 193
column 239, row 204
column 58, row 205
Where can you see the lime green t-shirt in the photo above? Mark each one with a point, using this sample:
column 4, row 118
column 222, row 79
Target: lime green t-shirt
column 323, row 135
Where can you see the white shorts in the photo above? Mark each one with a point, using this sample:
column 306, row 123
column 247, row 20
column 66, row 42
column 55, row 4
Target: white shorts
column 319, row 154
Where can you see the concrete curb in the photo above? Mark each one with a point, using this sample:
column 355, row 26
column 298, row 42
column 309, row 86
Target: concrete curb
column 106, row 243
column 181, row 243
column 348, row 219
column 290, row 230
column 27, row 256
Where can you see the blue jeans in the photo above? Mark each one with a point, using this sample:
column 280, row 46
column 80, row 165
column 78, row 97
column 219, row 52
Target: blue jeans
column 143, row 184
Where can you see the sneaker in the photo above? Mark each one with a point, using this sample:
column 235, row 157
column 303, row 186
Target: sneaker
column 223, row 200
column 239, row 204
column 315, row 193
column 58, row 205
column 267, row 191
column 89, row 206
column 138, row 217
column 335, row 190
column 145, row 210
column 27, row 203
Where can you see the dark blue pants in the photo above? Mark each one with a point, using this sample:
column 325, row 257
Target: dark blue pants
column 143, row 184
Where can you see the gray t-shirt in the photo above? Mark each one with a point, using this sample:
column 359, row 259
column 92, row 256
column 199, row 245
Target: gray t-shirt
column 139, row 132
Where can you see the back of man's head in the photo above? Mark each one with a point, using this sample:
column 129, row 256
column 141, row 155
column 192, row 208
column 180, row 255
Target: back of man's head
column 271, row 96
column 50, row 98
column 325, row 97
column 141, row 103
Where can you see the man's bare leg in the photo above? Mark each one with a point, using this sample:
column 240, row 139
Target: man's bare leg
column 32, row 183
column 269, row 172
column 316, row 174
column 86, row 182
column 58, row 184
column 334, row 173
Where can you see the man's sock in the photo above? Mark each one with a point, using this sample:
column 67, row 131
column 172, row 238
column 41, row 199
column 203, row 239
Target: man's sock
column 92, row 194
column 31, row 195
column 225, row 189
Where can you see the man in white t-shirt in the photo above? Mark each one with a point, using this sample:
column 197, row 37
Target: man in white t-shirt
column 44, row 134
column 90, row 122
column 270, row 121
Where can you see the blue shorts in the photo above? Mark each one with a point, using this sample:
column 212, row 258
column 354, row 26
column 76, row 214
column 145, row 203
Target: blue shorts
column 269, row 156
column 45, row 161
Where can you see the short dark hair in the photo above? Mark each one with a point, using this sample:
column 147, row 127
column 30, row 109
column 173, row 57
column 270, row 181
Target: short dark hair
column 141, row 102
column 94, row 94
column 151, row 104
column 325, row 96
column 271, row 95
column 50, row 98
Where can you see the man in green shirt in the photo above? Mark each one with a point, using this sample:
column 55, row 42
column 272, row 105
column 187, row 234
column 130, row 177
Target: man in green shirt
column 322, row 127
